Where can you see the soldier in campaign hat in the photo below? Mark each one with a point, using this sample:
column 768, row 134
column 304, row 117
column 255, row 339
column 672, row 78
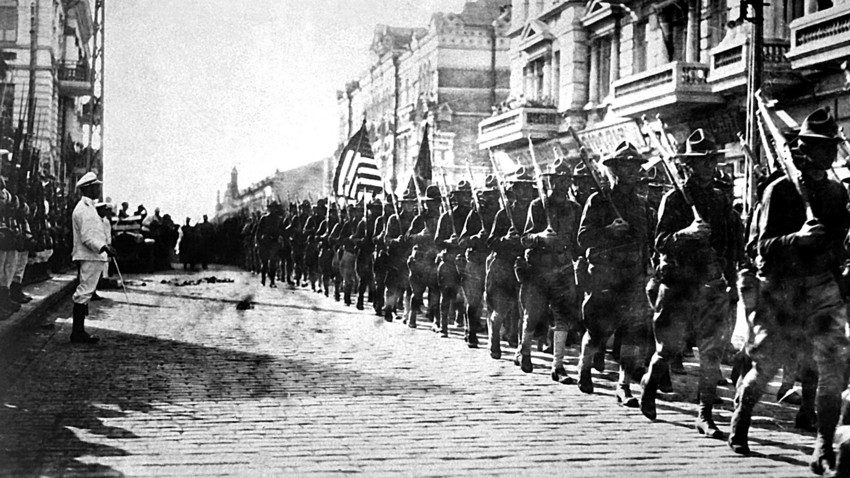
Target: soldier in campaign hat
column 423, row 270
column 616, row 232
column 270, row 229
column 449, row 227
column 472, row 269
column 398, row 249
column 547, row 282
column 501, row 286
column 801, row 304
column 696, row 266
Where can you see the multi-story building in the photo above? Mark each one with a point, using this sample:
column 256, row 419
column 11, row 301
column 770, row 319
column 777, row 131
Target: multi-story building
column 47, row 43
column 601, row 67
column 448, row 74
column 304, row 182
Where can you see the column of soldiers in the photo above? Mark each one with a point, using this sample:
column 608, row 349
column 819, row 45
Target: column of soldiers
column 648, row 275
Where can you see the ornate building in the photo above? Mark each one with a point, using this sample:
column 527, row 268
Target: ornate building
column 600, row 67
column 448, row 74
column 48, row 44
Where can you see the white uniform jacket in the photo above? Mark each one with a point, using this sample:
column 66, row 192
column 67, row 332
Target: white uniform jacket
column 89, row 234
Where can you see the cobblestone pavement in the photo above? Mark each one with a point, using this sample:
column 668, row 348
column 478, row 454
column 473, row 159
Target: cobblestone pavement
column 183, row 383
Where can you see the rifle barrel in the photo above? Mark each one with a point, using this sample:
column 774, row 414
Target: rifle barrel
column 541, row 191
column 500, row 181
column 594, row 173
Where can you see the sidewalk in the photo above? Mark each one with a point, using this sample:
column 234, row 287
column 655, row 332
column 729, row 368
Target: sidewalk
column 45, row 295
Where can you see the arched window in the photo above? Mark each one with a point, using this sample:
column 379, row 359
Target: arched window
column 8, row 20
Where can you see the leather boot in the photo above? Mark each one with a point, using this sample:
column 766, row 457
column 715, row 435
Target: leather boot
column 78, row 332
column 346, row 290
column 360, row 302
column 740, row 424
column 823, row 456
column 705, row 424
column 650, row 390
column 495, row 337
column 16, row 291
column 388, row 315
column 6, row 301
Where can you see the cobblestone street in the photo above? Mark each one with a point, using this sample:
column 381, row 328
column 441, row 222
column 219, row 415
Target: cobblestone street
column 183, row 383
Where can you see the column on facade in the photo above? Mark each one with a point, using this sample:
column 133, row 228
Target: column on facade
column 692, row 33
column 593, row 86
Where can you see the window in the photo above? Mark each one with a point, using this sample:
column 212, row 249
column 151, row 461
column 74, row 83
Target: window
column 8, row 20
column 717, row 22
column 673, row 24
column 603, row 49
column 794, row 9
column 639, row 46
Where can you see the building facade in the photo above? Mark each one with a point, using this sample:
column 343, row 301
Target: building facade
column 602, row 67
column 48, row 44
column 294, row 185
column 449, row 75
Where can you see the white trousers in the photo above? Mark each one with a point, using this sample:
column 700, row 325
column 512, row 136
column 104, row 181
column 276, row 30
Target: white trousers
column 89, row 273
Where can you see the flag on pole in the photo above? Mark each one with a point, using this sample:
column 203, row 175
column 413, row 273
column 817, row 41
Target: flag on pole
column 422, row 172
column 357, row 170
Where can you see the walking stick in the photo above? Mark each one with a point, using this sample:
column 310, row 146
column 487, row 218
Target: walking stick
column 121, row 278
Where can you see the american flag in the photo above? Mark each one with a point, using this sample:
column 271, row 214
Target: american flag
column 357, row 170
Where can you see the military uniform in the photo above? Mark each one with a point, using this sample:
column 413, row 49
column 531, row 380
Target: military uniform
column 546, row 273
column 473, row 239
column 618, row 254
column 695, row 269
column 326, row 250
column 422, row 261
column 364, row 240
column 398, row 251
column 380, row 264
column 269, row 232
column 500, row 284
column 800, row 300
column 449, row 228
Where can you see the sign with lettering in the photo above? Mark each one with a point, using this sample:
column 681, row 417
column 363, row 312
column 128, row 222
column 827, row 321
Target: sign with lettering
column 603, row 140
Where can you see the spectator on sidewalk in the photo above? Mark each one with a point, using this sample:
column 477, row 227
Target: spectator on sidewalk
column 90, row 252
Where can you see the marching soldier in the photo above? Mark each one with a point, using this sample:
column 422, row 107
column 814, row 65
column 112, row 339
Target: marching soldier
column 501, row 286
column 472, row 270
column 398, row 251
column 326, row 249
column 546, row 278
column 298, row 242
column 800, row 300
column 582, row 186
column 347, row 250
column 449, row 228
column 423, row 271
column 311, row 248
column 363, row 239
column 381, row 264
column 616, row 231
column 695, row 267
column 269, row 232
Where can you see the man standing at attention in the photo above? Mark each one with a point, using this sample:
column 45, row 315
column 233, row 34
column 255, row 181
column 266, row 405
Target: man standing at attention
column 90, row 252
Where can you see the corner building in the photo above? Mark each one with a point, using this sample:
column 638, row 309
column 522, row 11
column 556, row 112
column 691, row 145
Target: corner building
column 449, row 74
column 602, row 66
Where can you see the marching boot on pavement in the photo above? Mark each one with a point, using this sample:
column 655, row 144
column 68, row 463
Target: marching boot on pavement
column 449, row 228
column 423, row 270
column 501, row 285
column 800, row 297
column 616, row 233
column 473, row 239
column 695, row 267
column 90, row 252
column 547, row 278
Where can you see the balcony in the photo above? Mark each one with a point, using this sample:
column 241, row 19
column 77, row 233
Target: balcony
column 729, row 65
column 671, row 86
column 74, row 80
column 518, row 124
column 820, row 37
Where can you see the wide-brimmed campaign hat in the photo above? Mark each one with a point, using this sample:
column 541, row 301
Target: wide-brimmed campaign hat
column 432, row 193
column 88, row 179
column 820, row 125
column 520, row 175
column 463, row 186
column 624, row 151
column 698, row 145
column 559, row 167
column 580, row 171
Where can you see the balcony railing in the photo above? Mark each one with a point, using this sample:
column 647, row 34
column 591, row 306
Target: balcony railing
column 74, row 79
column 517, row 124
column 677, row 83
column 729, row 65
column 820, row 37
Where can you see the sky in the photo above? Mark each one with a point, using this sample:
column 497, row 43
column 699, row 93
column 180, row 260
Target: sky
column 196, row 87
